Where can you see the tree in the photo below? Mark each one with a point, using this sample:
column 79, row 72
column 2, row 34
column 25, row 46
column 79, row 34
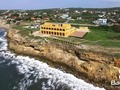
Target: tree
column 116, row 28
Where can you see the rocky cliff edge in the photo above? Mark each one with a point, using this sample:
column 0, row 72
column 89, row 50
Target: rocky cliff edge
column 96, row 68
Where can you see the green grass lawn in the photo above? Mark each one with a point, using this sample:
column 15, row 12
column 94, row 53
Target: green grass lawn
column 81, row 21
column 103, row 36
column 24, row 31
column 57, row 21
column 99, row 33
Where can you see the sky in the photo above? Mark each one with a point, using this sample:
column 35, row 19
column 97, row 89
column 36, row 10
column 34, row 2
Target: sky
column 43, row 4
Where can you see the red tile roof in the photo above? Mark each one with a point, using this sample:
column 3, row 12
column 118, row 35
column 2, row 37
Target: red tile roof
column 78, row 34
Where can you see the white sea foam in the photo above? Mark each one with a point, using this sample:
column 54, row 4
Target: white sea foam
column 30, row 66
column 38, row 70
column 3, row 45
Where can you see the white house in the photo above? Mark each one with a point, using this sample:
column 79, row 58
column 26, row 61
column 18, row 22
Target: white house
column 79, row 18
column 65, row 16
column 100, row 21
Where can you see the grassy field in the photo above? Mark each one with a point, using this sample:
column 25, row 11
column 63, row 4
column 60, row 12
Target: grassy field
column 102, row 35
column 81, row 21
column 57, row 21
column 24, row 31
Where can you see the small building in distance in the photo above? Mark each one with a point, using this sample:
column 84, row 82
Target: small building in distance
column 56, row 29
column 100, row 22
column 83, row 29
column 64, row 16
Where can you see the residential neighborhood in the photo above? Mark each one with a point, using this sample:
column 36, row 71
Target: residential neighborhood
column 108, row 16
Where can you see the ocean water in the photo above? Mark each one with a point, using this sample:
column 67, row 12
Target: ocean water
column 24, row 73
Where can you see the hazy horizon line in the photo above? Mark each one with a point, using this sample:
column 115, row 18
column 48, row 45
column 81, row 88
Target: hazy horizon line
column 65, row 8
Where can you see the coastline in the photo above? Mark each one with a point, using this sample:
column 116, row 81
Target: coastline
column 93, row 67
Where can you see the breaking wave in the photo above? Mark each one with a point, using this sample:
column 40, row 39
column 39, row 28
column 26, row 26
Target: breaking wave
column 40, row 75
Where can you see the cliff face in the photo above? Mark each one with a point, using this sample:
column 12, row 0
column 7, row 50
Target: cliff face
column 93, row 67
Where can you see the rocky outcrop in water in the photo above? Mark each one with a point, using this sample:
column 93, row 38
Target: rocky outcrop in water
column 94, row 67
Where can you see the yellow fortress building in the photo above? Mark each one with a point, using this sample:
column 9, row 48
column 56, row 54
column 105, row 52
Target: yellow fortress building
column 57, row 29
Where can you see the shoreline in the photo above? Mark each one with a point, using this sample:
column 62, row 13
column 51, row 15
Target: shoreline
column 83, row 64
